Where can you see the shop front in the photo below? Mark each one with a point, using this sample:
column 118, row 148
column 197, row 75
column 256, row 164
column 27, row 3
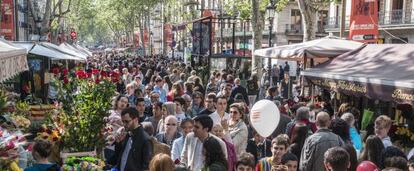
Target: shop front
column 377, row 79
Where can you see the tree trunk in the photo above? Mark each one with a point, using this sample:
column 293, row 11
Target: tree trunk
column 258, row 25
column 309, row 19
column 141, row 31
column 45, row 25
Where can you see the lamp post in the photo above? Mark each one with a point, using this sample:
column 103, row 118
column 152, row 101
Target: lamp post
column 270, row 12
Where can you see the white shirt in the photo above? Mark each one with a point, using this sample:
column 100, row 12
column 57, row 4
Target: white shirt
column 180, row 117
column 387, row 141
column 177, row 148
column 217, row 119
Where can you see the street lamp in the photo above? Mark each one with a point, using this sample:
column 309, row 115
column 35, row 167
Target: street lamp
column 271, row 13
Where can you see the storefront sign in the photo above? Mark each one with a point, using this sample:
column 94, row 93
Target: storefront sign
column 403, row 95
column 340, row 85
column 364, row 21
column 372, row 91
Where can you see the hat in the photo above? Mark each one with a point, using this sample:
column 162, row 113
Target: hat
column 367, row 166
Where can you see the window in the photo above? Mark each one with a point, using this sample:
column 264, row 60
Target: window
column 323, row 16
column 295, row 20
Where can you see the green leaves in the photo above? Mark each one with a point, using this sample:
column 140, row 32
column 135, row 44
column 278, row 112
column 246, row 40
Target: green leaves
column 84, row 112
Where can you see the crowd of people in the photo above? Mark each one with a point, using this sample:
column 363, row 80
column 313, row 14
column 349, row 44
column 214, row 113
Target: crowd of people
column 165, row 118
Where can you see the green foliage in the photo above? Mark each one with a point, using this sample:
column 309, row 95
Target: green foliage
column 83, row 113
column 3, row 98
column 22, row 108
column 238, row 7
column 98, row 21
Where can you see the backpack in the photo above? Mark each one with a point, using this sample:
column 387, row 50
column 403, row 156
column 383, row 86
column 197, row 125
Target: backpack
column 231, row 153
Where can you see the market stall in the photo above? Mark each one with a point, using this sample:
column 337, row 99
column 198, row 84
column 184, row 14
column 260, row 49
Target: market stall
column 327, row 47
column 41, row 57
column 378, row 80
column 12, row 60
column 376, row 71
column 73, row 50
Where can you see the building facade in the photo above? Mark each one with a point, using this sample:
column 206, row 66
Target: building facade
column 287, row 29
column 395, row 20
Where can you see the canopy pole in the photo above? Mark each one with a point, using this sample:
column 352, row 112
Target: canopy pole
column 302, row 78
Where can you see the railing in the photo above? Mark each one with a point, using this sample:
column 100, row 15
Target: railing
column 298, row 29
column 294, row 29
column 385, row 18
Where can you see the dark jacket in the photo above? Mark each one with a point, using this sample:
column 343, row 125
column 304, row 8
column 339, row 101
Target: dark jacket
column 316, row 145
column 141, row 151
column 252, row 87
column 240, row 89
column 258, row 151
column 215, row 167
column 281, row 127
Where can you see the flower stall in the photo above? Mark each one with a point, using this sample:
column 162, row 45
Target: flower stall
column 74, row 124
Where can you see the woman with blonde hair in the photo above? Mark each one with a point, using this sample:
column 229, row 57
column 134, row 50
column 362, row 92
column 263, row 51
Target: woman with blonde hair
column 176, row 91
column 161, row 162
column 168, row 108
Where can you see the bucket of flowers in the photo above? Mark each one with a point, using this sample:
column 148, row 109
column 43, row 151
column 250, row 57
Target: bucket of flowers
column 83, row 164
column 10, row 144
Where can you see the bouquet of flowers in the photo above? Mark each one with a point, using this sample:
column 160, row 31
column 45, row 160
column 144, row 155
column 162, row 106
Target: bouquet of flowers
column 50, row 134
column 83, row 164
column 21, row 121
column 9, row 144
column 405, row 135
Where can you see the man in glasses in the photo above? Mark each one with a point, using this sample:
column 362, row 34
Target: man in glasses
column 133, row 150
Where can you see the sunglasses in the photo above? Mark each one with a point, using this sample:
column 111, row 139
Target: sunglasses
column 171, row 124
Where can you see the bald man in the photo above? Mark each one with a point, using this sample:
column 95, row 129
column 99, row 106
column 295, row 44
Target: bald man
column 238, row 89
column 318, row 143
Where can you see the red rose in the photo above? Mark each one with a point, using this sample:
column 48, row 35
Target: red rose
column 97, row 80
column 88, row 75
column 30, row 147
column 95, row 71
column 55, row 70
column 65, row 80
column 10, row 145
column 104, row 74
column 65, row 71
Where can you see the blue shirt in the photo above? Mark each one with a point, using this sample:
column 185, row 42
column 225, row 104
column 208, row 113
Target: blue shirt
column 163, row 94
column 355, row 139
column 41, row 167
column 125, row 154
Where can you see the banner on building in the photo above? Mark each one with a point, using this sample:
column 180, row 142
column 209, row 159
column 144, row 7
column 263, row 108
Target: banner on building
column 7, row 28
column 201, row 34
column 168, row 34
column 364, row 21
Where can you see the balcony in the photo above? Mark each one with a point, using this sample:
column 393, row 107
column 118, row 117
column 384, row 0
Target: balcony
column 386, row 19
column 297, row 29
column 294, row 29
